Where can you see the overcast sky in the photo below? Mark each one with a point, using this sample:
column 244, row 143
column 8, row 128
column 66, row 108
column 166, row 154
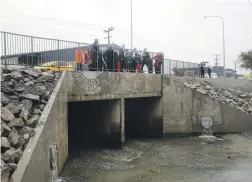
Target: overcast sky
column 175, row 27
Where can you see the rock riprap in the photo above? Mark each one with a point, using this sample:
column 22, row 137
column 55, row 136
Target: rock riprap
column 24, row 95
column 234, row 98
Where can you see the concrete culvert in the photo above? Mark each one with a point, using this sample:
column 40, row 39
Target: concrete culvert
column 93, row 124
column 143, row 117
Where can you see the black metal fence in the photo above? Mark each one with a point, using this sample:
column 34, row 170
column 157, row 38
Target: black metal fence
column 60, row 54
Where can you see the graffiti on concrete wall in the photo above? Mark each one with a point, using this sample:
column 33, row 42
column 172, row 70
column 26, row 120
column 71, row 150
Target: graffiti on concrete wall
column 116, row 82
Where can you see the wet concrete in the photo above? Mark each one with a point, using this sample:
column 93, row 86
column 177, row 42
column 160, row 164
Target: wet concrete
column 179, row 160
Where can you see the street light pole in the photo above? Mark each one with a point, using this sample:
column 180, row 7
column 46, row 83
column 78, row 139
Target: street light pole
column 131, row 26
column 223, row 39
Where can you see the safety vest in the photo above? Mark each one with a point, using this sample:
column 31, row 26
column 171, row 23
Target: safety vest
column 87, row 57
column 78, row 56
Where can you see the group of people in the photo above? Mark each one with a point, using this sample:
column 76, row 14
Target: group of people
column 93, row 59
column 202, row 70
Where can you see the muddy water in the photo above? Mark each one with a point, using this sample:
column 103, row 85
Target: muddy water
column 179, row 160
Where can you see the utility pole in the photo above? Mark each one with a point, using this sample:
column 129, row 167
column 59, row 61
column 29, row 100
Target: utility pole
column 131, row 26
column 108, row 32
column 216, row 59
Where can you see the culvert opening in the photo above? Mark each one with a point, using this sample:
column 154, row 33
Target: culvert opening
column 93, row 124
column 143, row 117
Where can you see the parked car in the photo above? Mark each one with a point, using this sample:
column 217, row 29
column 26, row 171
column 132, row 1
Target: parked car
column 56, row 65
column 213, row 75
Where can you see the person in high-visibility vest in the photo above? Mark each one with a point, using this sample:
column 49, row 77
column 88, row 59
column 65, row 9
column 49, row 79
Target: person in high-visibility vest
column 87, row 59
column 79, row 58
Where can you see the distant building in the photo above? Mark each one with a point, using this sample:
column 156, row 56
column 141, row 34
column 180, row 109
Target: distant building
column 44, row 56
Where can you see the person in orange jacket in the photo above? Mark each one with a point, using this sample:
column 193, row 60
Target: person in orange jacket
column 79, row 58
column 87, row 59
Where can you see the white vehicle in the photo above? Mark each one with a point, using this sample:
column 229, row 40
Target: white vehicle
column 213, row 75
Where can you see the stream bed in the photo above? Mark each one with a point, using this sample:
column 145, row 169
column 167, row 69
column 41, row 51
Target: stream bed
column 167, row 160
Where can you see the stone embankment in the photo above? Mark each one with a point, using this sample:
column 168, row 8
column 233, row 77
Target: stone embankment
column 24, row 95
column 234, row 98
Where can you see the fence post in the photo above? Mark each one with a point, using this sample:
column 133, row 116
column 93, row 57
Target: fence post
column 4, row 49
column 170, row 67
column 32, row 50
column 162, row 75
column 58, row 53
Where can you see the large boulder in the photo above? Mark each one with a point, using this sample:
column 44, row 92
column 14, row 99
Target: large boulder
column 46, row 96
column 8, row 91
column 5, row 173
column 16, row 75
column 5, row 129
column 40, row 90
column 14, row 108
column 30, row 97
column 6, row 114
column 31, row 73
column 5, row 144
column 19, row 89
column 17, row 123
column 14, row 138
column 6, row 77
column 27, row 130
column 13, row 155
column 4, row 99
column 27, row 104
column 45, row 77
column 32, row 121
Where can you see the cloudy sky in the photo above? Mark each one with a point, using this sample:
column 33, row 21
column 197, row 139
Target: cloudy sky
column 175, row 27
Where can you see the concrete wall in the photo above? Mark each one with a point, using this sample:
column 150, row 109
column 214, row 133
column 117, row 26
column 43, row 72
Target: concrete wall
column 35, row 162
column 91, row 85
column 177, row 107
column 183, row 109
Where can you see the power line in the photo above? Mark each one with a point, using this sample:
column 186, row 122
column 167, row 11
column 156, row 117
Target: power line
column 108, row 31
column 58, row 22
column 68, row 21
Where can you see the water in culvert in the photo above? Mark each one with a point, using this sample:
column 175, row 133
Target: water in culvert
column 178, row 160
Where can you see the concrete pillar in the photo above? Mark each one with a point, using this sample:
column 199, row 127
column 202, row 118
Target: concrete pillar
column 122, row 119
column 114, row 118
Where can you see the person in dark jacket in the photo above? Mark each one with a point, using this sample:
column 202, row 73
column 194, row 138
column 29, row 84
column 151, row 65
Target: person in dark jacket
column 202, row 71
column 95, row 56
column 209, row 71
column 111, row 59
column 147, row 61
column 158, row 63
column 122, row 58
column 136, row 61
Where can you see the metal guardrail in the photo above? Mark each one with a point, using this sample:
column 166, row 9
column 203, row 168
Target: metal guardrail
column 33, row 51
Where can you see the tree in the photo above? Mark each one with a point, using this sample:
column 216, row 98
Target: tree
column 246, row 59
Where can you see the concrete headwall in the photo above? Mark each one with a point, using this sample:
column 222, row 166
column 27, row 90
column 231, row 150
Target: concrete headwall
column 177, row 107
column 51, row 129
column 91, row 85
column 183, row 109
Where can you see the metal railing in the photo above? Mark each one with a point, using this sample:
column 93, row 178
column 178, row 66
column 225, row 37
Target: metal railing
column 33, row 51
column 184, row 68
